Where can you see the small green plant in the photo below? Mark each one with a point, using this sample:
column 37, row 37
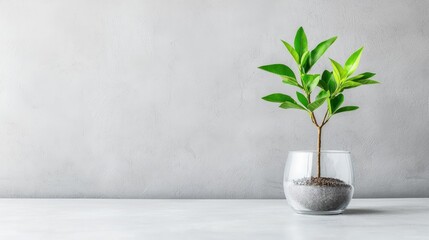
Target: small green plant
column 332, row 84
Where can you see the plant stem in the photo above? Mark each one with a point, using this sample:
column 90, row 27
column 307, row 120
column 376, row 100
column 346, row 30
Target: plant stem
column 319, row 145
column 312, row 116
column 324, row 119
column 319, row 130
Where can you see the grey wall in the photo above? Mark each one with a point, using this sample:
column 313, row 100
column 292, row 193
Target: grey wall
column 161, row 99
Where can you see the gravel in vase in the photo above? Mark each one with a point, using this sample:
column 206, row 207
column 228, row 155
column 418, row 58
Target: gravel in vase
column 319, row 194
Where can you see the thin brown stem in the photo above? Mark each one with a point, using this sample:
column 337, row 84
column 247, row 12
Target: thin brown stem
column 315, row 120
column 312, row 116
column 319, row 146
column 324, row 119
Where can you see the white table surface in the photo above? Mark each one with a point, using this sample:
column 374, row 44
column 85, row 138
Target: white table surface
column 208, row 219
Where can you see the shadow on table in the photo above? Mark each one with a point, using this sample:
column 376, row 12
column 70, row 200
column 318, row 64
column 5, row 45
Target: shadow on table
column 363, row 211
column 399, row 210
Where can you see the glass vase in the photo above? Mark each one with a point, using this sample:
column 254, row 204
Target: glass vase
column 313, row 188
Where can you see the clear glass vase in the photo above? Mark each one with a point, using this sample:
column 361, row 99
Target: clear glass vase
column 309, row 192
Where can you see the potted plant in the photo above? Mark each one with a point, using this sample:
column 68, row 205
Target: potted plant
column 318, row 182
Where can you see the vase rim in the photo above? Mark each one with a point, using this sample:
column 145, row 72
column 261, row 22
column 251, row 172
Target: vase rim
column 322, row 151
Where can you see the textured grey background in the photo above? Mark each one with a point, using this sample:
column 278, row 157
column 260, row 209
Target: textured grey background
column 161, row 99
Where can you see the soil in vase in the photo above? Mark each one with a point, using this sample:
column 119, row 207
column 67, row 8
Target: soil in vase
column 319, row 194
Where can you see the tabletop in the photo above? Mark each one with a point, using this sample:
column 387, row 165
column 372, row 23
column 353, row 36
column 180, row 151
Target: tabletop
column 208, row 219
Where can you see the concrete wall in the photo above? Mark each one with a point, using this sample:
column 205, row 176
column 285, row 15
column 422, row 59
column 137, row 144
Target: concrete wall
column 161, row 99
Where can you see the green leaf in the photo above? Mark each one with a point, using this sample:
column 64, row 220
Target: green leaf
column 292, row 51
column 287, row 105
column 353, row 62
column 323, row 83
column 305, row 57
column 350, row 84
column 305, row 62
column 332, row 85
column 319, row 50
column 346, row 109
column 290, row 81
column 314, row 105
column 310, row 81
column 278, row 97
column 335, row 103
column 364, row 75
column 302, row 99
column 300, row 42
column 339, row 72
column 279, row 69
column 366, row 81
column 322, row 94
